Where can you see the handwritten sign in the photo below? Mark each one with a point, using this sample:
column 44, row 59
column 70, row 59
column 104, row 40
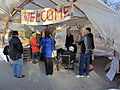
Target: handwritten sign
column 47, row 15
column 60, row 37
column 113, row 69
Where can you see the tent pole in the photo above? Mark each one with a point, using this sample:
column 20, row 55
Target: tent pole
column 21, row 6
column 11, row 15
column 14, row 21
column 54, row 2
column 77, row 7
column 37, row 5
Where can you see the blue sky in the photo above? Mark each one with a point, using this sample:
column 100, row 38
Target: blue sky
column 113, row 1
column 117, row 0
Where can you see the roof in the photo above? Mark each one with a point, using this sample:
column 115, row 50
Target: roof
column 104, row 19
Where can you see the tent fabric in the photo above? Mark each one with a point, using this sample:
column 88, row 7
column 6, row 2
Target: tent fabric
column 8, row 5
column 105, row 20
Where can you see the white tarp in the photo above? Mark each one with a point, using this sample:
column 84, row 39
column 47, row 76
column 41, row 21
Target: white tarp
column 102, row 17
column 8, row 5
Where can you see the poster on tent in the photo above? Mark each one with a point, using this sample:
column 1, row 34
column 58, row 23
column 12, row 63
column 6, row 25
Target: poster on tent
column 46, row 16
column 60, row 37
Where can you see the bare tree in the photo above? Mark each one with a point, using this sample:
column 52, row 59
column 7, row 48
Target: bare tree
column 117, row 5
column 112, row 4
column 105, row 1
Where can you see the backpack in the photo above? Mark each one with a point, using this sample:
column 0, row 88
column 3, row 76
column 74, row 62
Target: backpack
column 6, row 50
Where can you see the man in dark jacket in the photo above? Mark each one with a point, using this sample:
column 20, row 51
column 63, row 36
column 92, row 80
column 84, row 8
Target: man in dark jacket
column 92, row 41
column 86, row 51
column 15, row 53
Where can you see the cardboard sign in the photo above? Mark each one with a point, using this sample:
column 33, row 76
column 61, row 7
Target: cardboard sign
column 113, row 69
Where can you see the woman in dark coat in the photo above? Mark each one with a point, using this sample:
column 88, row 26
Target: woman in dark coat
column 69, row 40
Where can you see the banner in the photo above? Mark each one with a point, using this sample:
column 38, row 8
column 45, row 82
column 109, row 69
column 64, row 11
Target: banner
column 46, row 16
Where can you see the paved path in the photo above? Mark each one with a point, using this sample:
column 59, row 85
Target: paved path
column 63, row 80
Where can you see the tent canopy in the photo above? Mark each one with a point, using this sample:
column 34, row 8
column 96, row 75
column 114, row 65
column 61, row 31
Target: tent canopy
column 104, row 19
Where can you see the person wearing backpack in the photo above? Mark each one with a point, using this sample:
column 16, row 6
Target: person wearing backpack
column 6, row 51
column 15, row 53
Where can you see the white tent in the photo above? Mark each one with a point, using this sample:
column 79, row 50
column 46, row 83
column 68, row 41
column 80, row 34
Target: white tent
column 104, row 19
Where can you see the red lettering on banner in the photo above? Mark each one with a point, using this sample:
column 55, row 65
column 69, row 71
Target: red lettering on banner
column 50, row 14
column 42, row 16
column 32, row 18
column 58, row 14
column 27, row 17
column 38, row 16
column 66, row 9
column 53, row 15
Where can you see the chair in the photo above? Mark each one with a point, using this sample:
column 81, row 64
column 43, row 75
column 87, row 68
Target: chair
column 66, row 62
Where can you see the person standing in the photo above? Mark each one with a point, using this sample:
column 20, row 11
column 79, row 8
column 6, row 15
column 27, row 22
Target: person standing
column 41, row 53
column 86, row 51
column 15, row 53
column 35, row 48
column 42, row 35
column 48, row 45
column 92, row 42
column 69, row 40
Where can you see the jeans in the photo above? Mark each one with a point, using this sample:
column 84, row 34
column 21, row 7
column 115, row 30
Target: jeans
column 17, row 67
column 84, row 61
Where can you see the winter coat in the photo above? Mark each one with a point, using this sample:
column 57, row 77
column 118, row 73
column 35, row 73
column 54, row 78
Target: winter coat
column 48, row 45
column 91, row 35
column 15, row 48
column 86, row 43
column 69, row 41
column 34, row 45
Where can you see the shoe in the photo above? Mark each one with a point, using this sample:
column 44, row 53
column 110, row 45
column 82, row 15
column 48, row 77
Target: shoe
column 47, row 74
column 51, row 73
column 78, row 76
column 22, row 76
column 87, row 76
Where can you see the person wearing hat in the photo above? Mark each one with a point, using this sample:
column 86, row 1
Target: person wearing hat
column 15, row 53
column 35, row 48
